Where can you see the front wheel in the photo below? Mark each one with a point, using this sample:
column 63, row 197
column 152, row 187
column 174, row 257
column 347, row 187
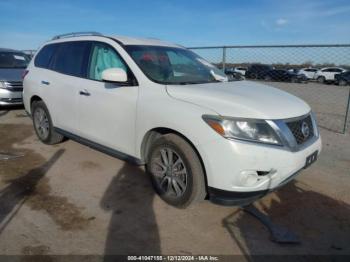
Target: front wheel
column 176, row 171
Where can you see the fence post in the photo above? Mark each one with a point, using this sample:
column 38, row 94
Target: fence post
column 346, row 113
column 223, row 58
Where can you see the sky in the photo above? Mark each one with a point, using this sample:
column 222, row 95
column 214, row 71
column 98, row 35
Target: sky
column 27, row 24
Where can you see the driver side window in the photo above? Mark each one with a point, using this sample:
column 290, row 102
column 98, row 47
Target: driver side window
column 103, row 57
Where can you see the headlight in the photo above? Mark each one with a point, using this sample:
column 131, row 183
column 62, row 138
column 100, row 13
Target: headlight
column 244, row 129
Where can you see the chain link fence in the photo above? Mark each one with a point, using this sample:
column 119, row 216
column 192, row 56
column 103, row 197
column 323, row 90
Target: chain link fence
column 295, row 69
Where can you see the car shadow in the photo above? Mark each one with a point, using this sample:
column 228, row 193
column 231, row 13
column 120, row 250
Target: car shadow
column 321, row 222
column 132, row 229
column 17, row 190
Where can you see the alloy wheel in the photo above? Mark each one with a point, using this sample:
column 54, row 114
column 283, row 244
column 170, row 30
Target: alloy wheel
column 41, row 122
column 169, row 172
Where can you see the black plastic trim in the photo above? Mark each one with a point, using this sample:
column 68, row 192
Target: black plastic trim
column 101, row 148
column 230, row 198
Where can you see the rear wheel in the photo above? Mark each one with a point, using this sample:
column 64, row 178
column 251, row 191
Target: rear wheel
column 321, row 79
column 342, row 83
column 176, row 171
column 43, row 124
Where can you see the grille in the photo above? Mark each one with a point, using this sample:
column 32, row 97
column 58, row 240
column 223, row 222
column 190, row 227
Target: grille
column 296, row 128
column 15, row 86
column 11, row 100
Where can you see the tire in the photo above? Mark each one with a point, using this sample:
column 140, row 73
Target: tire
column 267, row 78
column 253, row 76
column 179, row 185
column 321, row 79
column 294, row 80
column 43, row 126
column 342, row 83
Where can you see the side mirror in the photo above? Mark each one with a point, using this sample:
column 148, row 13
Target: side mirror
column 114, row 75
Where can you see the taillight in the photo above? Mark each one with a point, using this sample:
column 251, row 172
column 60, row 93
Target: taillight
column 25, row 72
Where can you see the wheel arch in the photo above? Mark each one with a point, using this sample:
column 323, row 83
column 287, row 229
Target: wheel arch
column 34, row 98
column 155, row 133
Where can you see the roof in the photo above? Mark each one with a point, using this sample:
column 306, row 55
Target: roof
column 125, row 40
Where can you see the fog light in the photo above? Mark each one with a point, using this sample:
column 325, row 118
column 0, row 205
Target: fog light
column 249, row 178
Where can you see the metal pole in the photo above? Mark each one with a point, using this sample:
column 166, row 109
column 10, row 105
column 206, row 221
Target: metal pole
column 223, row 57
column 346, row 113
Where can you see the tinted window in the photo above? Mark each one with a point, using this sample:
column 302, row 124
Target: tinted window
column 71, row 58
column 13, row 60
column 103, row 57
column 44, row 57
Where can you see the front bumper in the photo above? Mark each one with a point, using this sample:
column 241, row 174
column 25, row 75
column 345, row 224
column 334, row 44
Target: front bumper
column 249, row 170
column 229, row 198
column 8, row 97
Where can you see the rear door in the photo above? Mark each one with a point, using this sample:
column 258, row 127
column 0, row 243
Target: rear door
column 69, row 65
column 107, row 111
column 328, row 73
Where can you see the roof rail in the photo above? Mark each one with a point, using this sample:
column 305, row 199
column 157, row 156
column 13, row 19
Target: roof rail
column 75, row 34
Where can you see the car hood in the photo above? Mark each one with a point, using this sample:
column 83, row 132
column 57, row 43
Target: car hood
column 11, row 74
column 241, row 99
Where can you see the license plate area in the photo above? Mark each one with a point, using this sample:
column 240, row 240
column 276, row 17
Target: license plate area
column 311, row 159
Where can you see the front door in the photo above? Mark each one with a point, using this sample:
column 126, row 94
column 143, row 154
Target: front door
column 107, row 111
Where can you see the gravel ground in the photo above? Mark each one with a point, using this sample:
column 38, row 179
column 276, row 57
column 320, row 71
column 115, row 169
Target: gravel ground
column 70, row 199
column 329, row 102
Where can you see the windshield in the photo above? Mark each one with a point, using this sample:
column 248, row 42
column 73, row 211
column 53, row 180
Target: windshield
column 13, row 60
column 171, row 65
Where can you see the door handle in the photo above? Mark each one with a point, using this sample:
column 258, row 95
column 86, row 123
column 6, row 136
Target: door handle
column 45, row 82
column 84, row 93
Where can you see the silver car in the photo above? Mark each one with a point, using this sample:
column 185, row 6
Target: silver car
column 12, row 67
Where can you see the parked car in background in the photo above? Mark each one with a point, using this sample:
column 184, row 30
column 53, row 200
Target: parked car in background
column 342, row 79
column 240, row 70
column 327, row 74
column 159, row 104
column 233, row 75
column 257, row 71
column 309, row 72
column 12, row 66
column 284, row 76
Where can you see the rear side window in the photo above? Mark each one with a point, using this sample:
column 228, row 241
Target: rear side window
column 71, row 58
column 43, row 58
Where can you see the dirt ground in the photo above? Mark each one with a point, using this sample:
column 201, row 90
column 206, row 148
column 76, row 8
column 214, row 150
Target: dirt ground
column 70, row 199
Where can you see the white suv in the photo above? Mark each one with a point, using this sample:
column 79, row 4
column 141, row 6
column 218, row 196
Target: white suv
column 309, row 72
column 158, row 104
column 327, row 74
